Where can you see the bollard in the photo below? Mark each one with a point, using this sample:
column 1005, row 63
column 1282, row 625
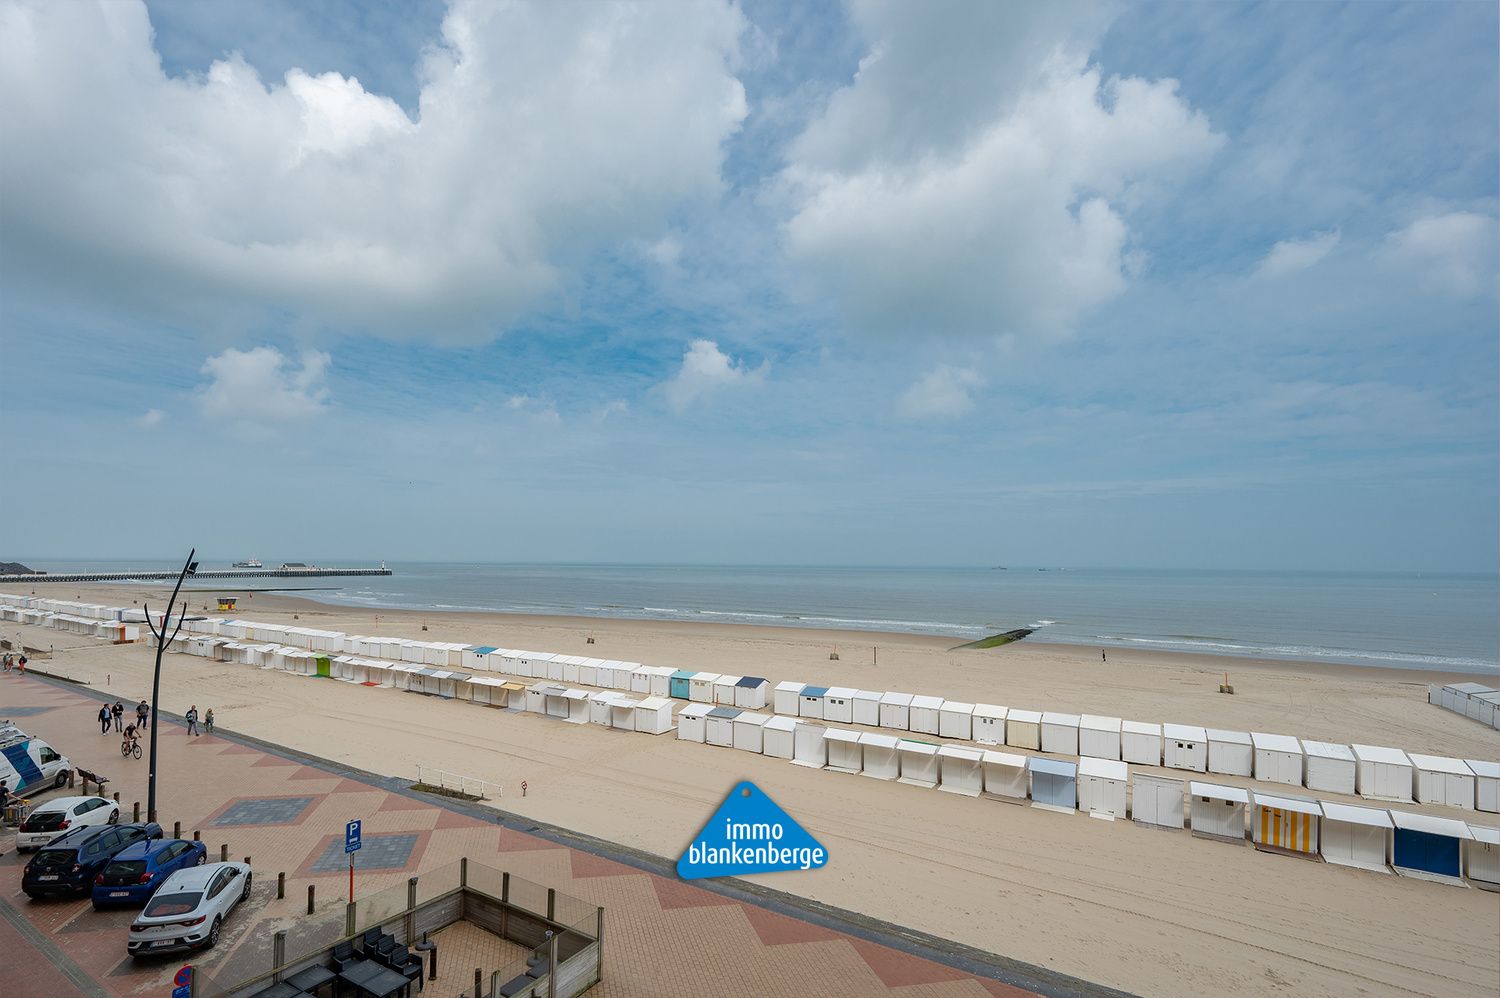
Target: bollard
column 278, row 951
column 552, row 904
column 280, row 886
column 197, row 836
column 176, row 829
column 478, row 981
column 247, row 860
column 310, row 903
column 71, row 784
column 224, row 853
column 137, row 817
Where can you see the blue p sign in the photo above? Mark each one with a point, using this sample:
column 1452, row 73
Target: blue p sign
column 351, row 836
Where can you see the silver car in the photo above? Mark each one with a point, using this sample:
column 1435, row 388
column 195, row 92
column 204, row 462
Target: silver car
column 189, row 908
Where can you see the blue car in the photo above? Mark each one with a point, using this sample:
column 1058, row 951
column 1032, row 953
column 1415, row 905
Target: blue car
column 135, row 874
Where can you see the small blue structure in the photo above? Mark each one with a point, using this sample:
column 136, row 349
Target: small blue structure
column 1428, row 847
column 751, row 692
column 681, row 685
column 1054, row 784
column 811, row 704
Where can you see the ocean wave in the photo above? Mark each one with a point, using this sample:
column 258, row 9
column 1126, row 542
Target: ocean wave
column 1226, row 646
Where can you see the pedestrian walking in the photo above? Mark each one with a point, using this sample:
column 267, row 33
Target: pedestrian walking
column 5, row 660
column 21, row 665
column 192, row 720
column 142, row 715
column 104, row 717
column 118, row 711
column 1103, row 655
column 208, row 721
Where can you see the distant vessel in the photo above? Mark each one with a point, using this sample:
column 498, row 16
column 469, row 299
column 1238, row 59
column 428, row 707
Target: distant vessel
column 252, row 563
column 295, row 564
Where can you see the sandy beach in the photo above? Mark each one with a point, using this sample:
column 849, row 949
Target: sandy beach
column 1147, row 911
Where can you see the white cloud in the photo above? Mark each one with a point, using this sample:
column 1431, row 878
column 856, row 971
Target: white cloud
column 706, row 370
column 942, row 393
column 150, row 419
column 973, row 177
column 1453, row 253
column 540, row 408
column 261, row 390
column 1292, row 255
column 546, row 132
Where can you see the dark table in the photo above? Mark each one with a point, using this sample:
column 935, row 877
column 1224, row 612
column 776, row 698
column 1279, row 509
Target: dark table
column 281, row 989
column 373, row 979
column 312, row 978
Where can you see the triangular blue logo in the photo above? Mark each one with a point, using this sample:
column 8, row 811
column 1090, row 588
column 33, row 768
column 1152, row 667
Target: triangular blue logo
column 749, row 833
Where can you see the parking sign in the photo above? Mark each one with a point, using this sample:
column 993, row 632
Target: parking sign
column 351, row 836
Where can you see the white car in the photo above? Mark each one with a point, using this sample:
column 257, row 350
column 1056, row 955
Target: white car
column 189, row 908
column 54, row 817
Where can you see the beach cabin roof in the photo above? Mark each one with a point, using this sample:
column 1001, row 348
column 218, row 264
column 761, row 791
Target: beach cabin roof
column 1469, row 688
column 961, row 752
column 596, row 662
column 1229, row 737
column 1054, row 767
column 1140, row 728
column 1276, row 743
column 781, row 723
column 487, row 681
column 576, row 694
column 1066, row 720
column 842, row 735
column 1004, row 759
column 1301, row 805
column 954, row 707
column 1235, row 795
column 899, row 699
column 814, row 691
column 1025, row 716
column 601, row 696
column 1449, row 827
column 1184, row 732
column 751, row 681
column 1483, row 833
column 653, row 703
column 730, row 681
column 839, row 692
column 1328, row 750
column 1380, row 754
column 790, row 687
column 1094, row 722
column 1356, row 815
column 1105, row 769
column 705, row 677
column 727, row 713
column 483, row 649
column 929, row 703
column 746, row 716
column 1480, row 767
column 513, row 686
column 917, row 748
column 868, row 695
column 683, row 674
column 989, row 710
column 1440, row 764
column 879, row 741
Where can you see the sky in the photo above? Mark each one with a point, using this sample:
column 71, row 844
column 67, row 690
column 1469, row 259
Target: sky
column 1125, row 285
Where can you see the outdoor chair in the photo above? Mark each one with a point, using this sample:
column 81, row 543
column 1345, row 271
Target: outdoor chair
column 384, row 947
column 343, row 955
column 406, row 963
column 371, row 940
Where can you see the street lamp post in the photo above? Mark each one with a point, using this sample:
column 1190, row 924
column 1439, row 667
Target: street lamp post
column 162, row 641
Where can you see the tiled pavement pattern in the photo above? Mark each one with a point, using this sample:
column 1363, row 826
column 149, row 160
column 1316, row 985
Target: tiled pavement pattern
column 263, row 811
column 377, row 852
column 664, row 937
column 461, row 948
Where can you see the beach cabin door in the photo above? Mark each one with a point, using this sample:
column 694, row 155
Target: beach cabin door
column 324, row 666
column 1427, row 853
column 1289, row 830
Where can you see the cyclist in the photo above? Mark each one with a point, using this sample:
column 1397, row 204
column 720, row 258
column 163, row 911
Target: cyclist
column 130, row 737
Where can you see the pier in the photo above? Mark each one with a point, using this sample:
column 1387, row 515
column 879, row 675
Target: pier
column 223, row 574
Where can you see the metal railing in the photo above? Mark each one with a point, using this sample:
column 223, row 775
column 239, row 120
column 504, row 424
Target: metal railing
column 468, row 785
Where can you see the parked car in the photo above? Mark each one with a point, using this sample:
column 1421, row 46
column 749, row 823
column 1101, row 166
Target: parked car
column 136, row 873
column 68, row 864
column 54, row 817
column 30, row 764
column 189, row 908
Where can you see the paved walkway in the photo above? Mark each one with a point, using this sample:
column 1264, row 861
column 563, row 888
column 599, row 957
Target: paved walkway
column 664, row 937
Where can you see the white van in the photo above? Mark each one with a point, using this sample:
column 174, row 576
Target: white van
column 29, row 764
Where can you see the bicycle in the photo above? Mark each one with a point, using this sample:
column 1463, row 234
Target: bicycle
column 130, row 747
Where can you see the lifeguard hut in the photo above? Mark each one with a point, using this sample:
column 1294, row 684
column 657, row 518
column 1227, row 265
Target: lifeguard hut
column 226, row 603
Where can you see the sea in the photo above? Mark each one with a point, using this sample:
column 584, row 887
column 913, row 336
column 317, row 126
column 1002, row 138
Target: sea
column 1442, row 622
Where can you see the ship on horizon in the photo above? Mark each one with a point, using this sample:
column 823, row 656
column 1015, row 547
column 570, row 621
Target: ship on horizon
column 252, row 563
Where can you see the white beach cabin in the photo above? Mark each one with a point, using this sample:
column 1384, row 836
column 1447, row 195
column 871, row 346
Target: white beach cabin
column 1230, row 753
column 961, row 771
column 882, row 759
column 1330, row 767
column 838, row 704
column 1482, row 862
column 845, row 754
column 1287, row 825
column 895, row 711
column 919, row 763
column 653, row 716
column 1023, row 729
column 1157, row 801
column 1486, row 784
column 1440, row 780
column 810, row 702
column 1382, row 773
column 1101, row 787
column 925, row 714
column 1060, row 733
column 1218, row 812
column 622, row 712
column 1005, row 776
column 750, row 693
column 1356, row 836
column 1099, row 738
column 777, row 737
column 1429, row 848
column 1140, row 742
column 810, row 746
column 1278, row 758
column 701, row 687
column 599, row 705
column 692, row 722
column 956, row 720
column 1054, row 785
column 719, row 728
column 748, row 731
column 724, row 688
column 787, row 697
column 989, row 724
column 640, row 679
column 1184, row 746
column 867, row 707
column 578, row 706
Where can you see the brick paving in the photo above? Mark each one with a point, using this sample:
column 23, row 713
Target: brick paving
column 664, row 937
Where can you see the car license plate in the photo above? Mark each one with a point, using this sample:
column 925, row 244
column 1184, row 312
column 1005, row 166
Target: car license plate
column 119, row 894
column 163, row 942
column 48, row 877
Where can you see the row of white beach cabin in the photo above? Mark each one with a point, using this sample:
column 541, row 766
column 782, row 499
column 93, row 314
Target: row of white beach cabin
column 1472, row 700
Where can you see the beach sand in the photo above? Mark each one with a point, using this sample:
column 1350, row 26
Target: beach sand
column 1148, row 911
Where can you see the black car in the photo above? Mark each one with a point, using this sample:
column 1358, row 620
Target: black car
column 69, row 864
